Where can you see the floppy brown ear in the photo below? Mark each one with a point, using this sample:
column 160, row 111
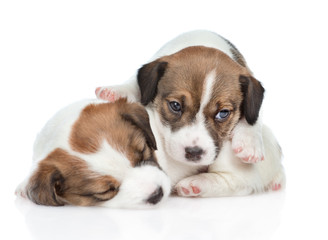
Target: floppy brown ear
column 148, row 78
column 46, row 185
column 138, row 117
column 253, row 94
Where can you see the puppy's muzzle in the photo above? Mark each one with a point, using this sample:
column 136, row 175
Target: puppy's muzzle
column 193, row 154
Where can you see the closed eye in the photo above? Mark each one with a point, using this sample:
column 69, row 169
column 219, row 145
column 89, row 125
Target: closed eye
column 111, row 190
column 149, row 161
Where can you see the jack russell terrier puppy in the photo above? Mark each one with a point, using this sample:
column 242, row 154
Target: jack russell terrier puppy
column 97, row 153
column 204, row 104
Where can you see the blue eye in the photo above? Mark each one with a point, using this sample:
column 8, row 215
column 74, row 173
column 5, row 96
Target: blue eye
column 175, row 106
column 222, row 115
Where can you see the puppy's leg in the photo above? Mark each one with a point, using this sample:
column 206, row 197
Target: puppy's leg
column 278, row 182
column 227, row 176
column 21, row 189
column 212, row 185
column 247, row 142
column 129, row 90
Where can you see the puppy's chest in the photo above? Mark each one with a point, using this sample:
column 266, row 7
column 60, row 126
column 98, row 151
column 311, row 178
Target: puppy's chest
column 177, row 173
column 175, row 170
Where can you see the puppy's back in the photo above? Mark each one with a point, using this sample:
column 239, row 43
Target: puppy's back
column 57, row 130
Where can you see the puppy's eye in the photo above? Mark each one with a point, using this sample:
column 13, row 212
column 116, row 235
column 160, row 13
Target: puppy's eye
column 222, row 115
column 175, row 106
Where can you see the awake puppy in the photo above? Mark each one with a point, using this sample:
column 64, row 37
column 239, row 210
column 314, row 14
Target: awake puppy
column 97, row 153
column 204, row 104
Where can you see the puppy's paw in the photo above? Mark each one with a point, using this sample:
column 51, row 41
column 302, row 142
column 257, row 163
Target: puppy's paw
column 107, row 94
column 21, row 194
column 20, row 191
column 275, row 186
column 278, row 182
column 189, row 187
column 247, row 144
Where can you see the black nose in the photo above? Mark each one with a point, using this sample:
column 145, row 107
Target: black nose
column 156, row 196
column 193, row 153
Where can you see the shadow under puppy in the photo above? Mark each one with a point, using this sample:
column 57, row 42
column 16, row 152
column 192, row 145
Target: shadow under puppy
column 96, row 153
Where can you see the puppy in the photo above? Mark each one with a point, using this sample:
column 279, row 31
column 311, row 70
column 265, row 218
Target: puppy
column 97, row 153
column 204, row 104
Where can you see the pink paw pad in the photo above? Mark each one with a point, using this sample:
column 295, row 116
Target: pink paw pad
column 106, row 94
column 190, row 191
column 195, row 190
column 238, row 150
column 97, row 90
column 252, row 159
column 276, row 186
column 185, row 191
column 21, row 194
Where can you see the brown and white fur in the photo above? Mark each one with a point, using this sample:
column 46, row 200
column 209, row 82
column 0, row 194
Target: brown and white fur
column 96, row 153
column 204, row 104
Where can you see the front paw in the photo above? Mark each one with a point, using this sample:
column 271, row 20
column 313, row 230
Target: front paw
column 247, row 144
column 189, row 187
column 20, row 190
column 107, row 94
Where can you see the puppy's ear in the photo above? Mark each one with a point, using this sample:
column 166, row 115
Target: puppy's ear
column 46, row 185
column 253, row 94
column 148, row 78
column 139, row 118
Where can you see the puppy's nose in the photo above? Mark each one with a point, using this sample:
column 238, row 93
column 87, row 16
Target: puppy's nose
column 156, row 196
column 193, row 153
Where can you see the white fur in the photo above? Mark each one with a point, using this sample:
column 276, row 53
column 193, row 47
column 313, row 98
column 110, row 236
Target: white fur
column 137, row 184
column 176, row 170
column 107, row 160
column 194, row 38
column 228, row 175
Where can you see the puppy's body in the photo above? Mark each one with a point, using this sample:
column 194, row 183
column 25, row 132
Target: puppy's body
column 204, row 105
column 96, row 153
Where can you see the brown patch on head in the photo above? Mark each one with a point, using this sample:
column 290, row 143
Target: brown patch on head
column 125, row 126
column 183, row 82
column 65, row 179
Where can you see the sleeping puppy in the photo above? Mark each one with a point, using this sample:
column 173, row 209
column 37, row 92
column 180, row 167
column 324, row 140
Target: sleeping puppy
column 97, row 153
column 204, row 104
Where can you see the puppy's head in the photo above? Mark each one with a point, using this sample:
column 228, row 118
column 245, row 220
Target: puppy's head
column 198, row 95
column 112, row 162
column 62, row 179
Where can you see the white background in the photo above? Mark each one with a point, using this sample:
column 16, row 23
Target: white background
column 55, row 52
